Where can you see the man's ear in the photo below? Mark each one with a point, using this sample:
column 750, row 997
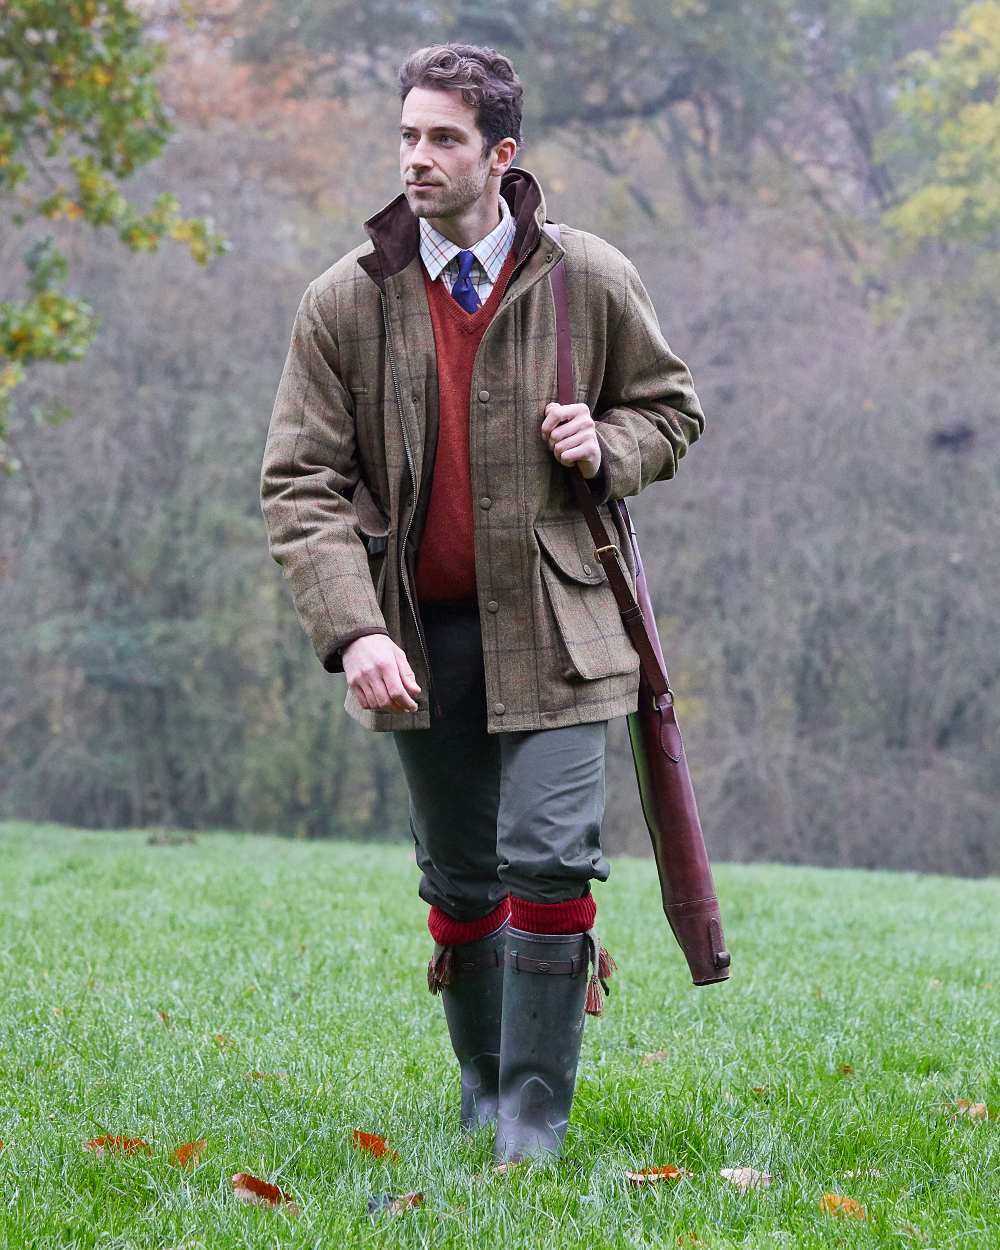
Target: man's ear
column 503, row 156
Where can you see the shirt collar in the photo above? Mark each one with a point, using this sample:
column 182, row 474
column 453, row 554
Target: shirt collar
column 491, row 250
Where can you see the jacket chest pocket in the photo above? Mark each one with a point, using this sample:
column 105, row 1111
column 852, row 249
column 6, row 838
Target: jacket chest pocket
column 583, row 604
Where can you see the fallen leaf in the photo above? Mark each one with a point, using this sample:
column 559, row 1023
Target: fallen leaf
column 861, row 1172
column 746, row 1178
column 666, row 1173
column 847, row 1069
column 761, row 1091
column 223, row 1041
column 971, row 1110
column 654, row 1056
column 379, row 1203
column 2, row 1147
column 191, row 1150
column 987, row 985
column 164, row 1016
column 374, row 1143
column 126, row 1145
column 252, row 1189
column 501, row 1169
column 684, row 1239
column 840, row 1204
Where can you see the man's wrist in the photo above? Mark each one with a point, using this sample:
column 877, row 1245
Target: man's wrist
column 334, row 662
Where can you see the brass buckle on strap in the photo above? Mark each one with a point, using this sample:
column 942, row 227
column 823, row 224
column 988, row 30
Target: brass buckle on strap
column 609, row 547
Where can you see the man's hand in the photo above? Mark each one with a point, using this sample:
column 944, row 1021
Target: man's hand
column 378, row 673
column 569, row 430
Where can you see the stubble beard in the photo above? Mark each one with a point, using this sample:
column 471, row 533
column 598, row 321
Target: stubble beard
column 450, row 201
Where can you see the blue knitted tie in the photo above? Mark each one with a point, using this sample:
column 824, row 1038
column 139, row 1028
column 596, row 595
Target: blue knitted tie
column 463, row 290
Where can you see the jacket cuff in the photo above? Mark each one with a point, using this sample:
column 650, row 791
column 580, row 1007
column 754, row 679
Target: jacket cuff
column 600, row 484
column 334, row 662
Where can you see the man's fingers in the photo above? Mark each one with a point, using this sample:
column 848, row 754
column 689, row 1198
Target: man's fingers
column 383, row 698
column 397, row 695
column 567, row 429
column 405, row 672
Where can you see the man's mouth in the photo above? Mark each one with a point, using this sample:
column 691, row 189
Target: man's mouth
column 423, row 186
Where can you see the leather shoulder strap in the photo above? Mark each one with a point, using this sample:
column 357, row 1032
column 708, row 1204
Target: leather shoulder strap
column 604, row 549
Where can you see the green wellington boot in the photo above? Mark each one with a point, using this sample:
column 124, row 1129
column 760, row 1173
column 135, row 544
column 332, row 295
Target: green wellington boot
column 469, row 979
column 545, row 993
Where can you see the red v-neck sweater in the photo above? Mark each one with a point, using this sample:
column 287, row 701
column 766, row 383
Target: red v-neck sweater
column 446, row 560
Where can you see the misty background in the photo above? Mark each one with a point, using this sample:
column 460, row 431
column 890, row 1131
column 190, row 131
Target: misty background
column 809, row 192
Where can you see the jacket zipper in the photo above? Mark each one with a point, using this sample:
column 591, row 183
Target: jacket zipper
column 404, row 576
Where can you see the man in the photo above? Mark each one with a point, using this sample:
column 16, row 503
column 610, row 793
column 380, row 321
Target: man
column 415, row 487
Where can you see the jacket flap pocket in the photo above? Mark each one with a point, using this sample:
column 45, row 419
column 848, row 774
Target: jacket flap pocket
column 569, row 545
column 373, row 524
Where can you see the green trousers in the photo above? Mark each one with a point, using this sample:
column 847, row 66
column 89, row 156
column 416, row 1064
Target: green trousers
column 493, row 814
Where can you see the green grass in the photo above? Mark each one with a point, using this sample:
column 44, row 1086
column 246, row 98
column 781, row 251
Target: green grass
column 311, row 958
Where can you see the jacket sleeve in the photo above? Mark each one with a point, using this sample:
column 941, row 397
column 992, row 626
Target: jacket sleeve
column 647, row 414
column 308, row 476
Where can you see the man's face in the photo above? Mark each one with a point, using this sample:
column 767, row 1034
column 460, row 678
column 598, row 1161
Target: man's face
column 441, row 153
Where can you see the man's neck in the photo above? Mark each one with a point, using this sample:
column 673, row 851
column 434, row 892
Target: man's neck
column 479, row 220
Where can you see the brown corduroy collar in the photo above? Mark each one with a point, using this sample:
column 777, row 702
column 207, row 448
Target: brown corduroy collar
column 395, row 230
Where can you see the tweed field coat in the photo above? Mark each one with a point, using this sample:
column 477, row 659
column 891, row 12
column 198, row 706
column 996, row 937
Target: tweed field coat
column 350, row 450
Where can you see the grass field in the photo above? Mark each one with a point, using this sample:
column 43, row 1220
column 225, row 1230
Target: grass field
column 144, row 985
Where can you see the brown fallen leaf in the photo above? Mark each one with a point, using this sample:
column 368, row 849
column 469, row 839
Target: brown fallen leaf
column 666, row 1173
column 847, row 1069
column 654, row 1056
column 191, row 1150
column 501, row 1169
column 164, row 1016
column 971, row 1110
column 373, row 1143
column 746, row 1178
column 684, row 1239
column 110, row 1142
column 386, row 1203
column 2, row 1147
column 223, row 1041
column 840, row 1204
column 252, row 1189
column 761, row 1091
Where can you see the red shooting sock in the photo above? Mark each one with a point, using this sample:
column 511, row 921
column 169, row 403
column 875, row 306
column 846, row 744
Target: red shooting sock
column 451, row 932
column 575, row 915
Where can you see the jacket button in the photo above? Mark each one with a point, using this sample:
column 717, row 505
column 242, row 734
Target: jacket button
column 493, row 606
column 486, row 502
column 586, row 568
column 484, row 396
column 499, row 709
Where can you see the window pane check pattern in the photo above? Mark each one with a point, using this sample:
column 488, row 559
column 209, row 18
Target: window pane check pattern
column 440, row 255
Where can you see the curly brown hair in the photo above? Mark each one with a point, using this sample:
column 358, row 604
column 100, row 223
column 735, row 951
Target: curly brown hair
column 486, row 79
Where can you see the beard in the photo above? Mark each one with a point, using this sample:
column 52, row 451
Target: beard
column 450, row 200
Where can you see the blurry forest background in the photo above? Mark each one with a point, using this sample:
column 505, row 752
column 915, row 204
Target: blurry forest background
column 810, row 190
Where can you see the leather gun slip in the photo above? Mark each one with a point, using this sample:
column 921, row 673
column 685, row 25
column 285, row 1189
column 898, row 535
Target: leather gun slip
column 665, row 790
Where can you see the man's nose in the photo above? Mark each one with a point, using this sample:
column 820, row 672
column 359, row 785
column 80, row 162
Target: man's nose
column 420, row 155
